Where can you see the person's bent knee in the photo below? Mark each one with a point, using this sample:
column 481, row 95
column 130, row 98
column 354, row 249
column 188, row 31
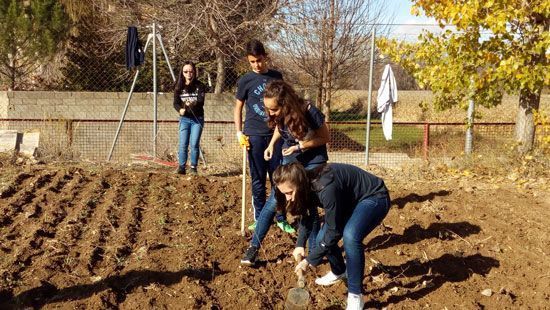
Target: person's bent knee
column 351, row 239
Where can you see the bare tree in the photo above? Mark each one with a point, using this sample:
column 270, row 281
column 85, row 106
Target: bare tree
column 326, row 42
column 210, row 30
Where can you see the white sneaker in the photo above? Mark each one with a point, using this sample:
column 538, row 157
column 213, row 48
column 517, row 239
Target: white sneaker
column 355, row 302
column 330, row 279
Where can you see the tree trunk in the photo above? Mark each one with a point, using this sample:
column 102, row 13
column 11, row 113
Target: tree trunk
column 330, row 61
column 12, row 71
column 525, row 125
column 220, row 78
column 529, row 100
column 319, row 99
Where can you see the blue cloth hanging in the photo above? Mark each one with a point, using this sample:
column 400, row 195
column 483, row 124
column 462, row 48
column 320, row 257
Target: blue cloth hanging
column 135, row 55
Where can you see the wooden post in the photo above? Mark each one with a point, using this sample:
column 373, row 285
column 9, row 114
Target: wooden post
column 69, row 132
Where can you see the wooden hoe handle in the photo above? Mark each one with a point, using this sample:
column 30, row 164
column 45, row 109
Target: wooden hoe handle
column 300, row 273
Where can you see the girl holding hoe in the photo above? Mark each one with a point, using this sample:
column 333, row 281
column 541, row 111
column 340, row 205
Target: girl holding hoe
column 354, row 201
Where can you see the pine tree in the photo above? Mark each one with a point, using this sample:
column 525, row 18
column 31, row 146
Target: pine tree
column 31, row 34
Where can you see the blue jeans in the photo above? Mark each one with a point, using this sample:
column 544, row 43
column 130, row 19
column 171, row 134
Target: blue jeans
column 190, row 130
column 260, row 169
column 368, row 214
column 266, row 217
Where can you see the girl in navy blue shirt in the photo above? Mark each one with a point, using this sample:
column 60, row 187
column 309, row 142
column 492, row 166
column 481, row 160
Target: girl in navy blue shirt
column 300, row 124
column 302, row 128
column 354, row 201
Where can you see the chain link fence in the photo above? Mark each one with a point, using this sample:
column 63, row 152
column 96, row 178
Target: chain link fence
column 88, row 131
column 92, row 140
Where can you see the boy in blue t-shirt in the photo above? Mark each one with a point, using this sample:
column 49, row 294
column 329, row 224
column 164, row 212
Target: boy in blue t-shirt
column 256, row 133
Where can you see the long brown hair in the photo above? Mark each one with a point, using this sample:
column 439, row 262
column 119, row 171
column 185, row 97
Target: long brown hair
column 293, row 108
column 295, row 174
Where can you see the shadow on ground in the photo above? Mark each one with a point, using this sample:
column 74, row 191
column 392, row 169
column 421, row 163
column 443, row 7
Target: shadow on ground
column 413, row 197
column 433, row 274
column 416, row 233
column 120, row 284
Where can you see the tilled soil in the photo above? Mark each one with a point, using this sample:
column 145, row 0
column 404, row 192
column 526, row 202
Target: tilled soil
column 90, row 236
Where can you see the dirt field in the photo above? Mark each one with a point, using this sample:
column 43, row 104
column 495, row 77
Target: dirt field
column 88, row 236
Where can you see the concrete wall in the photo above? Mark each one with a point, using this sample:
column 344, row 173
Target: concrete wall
column 105, row 106
column 4, row 102
column 92, row 140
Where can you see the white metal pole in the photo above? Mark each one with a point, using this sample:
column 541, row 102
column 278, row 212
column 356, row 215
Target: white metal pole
column 367, row 139
column 468, row 147
column 166, row 57
column 127, row 104
column 243, row 194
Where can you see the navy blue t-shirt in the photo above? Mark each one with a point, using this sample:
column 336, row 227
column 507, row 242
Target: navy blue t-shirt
column 316, row 155
column 250, row 89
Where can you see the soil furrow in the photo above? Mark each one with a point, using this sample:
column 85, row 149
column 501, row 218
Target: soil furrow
column 130, row 223
column 31, row 244
column 117, row 219
column 81, row 203
column 14, row 207
column 90, row 228
column 53, row 249
column 101, row 226
column 16, row 185
column 31, row 207
column 56, row 261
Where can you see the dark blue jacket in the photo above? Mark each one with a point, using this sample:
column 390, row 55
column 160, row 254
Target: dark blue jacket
column 339, row 187
column 135, row 55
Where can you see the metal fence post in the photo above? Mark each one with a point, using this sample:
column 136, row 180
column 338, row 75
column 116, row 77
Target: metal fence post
column 468, row 147
column 426, row 143
column 154, row 90
column 370, row 95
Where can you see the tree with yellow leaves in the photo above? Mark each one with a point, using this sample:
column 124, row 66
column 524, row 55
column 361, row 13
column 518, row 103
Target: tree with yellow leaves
column 495, row 47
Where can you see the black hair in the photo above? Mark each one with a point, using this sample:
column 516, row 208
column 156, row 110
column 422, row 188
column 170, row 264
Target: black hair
column 180, row 82
column 255, row 48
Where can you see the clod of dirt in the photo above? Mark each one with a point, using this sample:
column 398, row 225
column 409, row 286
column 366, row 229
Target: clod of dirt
column 487, row 292
column 469, row 189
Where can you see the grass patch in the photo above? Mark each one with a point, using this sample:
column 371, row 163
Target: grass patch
column 406, row 138
column 348, row 116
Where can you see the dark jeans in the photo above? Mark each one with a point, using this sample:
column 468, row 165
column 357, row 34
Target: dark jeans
column 266, row 217
column 260, row 168
column 190, row 130
column 368, row 214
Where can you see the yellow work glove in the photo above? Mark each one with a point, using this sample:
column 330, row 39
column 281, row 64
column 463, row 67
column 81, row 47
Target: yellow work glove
column 243, row 140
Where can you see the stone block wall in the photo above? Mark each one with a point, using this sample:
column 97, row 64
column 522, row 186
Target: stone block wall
column 103, row 106
column 63, row 118
column 4, row 102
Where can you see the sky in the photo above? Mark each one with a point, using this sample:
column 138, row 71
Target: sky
column 401, row 10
